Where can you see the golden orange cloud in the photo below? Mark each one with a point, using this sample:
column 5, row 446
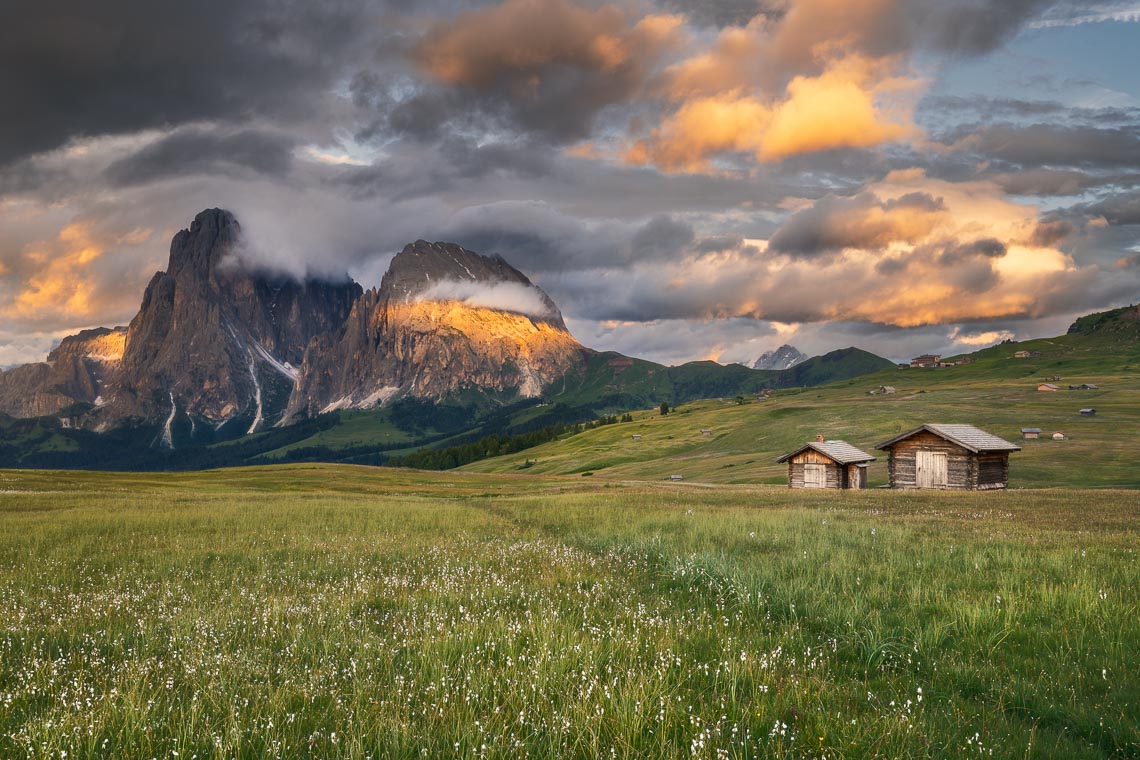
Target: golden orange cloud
column 855, row 102
column 519, row 38
column 62, row 283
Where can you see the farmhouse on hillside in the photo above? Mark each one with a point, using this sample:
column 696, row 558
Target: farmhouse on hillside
column 827, row 464
column 958, row 457
column 1088, row 412
column 926, row 360
column 1030, row 433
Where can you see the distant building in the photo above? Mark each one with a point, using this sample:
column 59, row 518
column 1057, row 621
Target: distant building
column 676, row 477
column 1084, row 387
column 1026, row 354
column 636, row 437
column 960, row 457
column 706, row 432
column 1030, row 433
column 1088, row 412
column 926, row 360
column 827, row 464
column 1048, row 387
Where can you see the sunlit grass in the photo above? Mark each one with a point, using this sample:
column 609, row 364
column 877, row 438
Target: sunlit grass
column 325, row 611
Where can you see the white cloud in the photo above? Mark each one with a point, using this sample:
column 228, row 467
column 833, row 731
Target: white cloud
column 503, row 296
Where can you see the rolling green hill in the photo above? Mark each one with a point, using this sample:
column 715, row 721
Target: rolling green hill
column 609, row 383
column 994, row 391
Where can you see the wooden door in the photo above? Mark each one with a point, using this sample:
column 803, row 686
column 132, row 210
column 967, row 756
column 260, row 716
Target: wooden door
column 815, row 475
column 930, row 469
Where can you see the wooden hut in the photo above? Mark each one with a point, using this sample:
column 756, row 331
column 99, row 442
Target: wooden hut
column 1088, row 412
column 1030, row 433
column 960, row 457
column 827, row 464
column 1050, row 387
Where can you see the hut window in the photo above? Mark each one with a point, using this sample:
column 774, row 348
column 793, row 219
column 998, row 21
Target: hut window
column 815, row 475
column 930, row 469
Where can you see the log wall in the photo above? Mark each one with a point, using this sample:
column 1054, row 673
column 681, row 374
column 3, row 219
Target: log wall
column 834, row 474
column 964, row 469
column 961, row 465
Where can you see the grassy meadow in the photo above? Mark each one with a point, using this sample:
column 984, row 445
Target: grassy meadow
column 332, row 611
column 995, row 392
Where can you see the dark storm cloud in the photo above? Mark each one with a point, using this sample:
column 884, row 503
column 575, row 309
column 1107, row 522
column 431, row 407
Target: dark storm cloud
column 721, row 13
column 1121, row 209
column 861, row 221
column 1039, row 145
column 206, row 151
column 975, row 27
column 960, row 253
column 73, row 69
column 662, row 237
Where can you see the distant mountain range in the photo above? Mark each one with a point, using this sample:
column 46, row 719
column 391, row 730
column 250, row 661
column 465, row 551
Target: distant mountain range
column 219, row 352
column 784, row 357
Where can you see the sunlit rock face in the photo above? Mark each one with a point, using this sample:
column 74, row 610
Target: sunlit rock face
column 214, row 341
column 77, row 371
column 215, row 345
column 443, row 321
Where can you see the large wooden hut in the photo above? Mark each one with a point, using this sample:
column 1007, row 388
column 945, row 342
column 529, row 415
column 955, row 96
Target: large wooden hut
column 827, row 464
column 960, row 457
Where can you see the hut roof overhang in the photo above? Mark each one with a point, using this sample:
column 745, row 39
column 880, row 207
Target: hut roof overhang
column 840, row 451
column 967, row 436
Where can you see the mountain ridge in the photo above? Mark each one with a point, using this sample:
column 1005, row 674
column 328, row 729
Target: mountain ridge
column 219, row 350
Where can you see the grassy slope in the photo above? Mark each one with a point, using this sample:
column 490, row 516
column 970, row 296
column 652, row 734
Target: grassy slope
column 348, row 612
column 995, row 392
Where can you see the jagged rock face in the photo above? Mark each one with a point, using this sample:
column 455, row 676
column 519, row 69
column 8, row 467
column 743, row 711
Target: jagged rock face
column 76, row 371
column 784, row 357
column 213, row 340
column 444, row 320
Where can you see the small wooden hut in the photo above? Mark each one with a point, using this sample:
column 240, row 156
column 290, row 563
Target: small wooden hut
column 960, row 457
column 827, row 464
column 1030, row 433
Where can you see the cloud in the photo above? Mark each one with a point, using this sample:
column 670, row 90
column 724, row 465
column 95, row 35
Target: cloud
column 129, row 65
column 503, row 296
column 73, row 278
column 546, row 65
column 862, row 221
column 204, row 150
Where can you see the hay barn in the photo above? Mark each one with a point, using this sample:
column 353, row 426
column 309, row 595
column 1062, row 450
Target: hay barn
column 954, row 457
column 827, row 464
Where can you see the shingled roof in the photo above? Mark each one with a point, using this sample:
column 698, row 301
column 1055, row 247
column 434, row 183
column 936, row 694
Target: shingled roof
column 840, row 451
column 967, row 436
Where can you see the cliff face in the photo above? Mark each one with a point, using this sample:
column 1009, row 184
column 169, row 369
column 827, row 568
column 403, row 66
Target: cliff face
column 444, row 320
column 76, row 371
column 213, row 341
column 215, row 345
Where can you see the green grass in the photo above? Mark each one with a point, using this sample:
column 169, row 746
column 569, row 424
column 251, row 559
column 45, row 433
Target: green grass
column 332, row 611
column 996, row 392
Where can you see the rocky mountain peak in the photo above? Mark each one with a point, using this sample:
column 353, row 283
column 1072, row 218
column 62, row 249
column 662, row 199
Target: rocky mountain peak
column 449, row 272
column 784, row 357
column 212, row 235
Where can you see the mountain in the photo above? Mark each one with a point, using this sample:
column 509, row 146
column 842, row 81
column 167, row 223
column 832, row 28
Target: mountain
column 784, row 357
column 76, row 371
column 1123, row 321
column 225, row 364
column 444, row 320
column 214, row 342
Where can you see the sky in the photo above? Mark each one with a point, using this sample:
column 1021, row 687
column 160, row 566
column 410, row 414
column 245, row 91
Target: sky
column 688, row 179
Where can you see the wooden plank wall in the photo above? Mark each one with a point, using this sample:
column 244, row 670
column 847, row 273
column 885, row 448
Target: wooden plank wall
column 993, row 471
column 834, row 473
column 961, row 465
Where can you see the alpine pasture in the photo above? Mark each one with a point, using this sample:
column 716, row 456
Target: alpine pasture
column 332, row 611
